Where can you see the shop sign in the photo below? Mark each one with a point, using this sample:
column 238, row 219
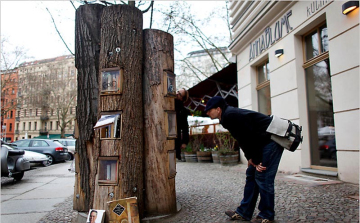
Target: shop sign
column 314, row 7
column 270, row 36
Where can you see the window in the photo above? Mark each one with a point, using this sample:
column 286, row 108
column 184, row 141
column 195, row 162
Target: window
column 263, row 88
column 17, row 126
column 35, row 125
column 10, row 127
column 24, row 126
column 57, row 125
column 50, row 125
column 170, row 124
column 108, row 170
column 319, row 98
column 25, row 113
column 11, row 114
column 29, row 125
column 36, row 112
column 169, row 84
column 18, row 114
column 30, row 112
column 111, row 81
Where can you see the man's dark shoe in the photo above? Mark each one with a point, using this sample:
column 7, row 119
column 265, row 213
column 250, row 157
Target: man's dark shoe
column 234, row 216
column 259, row 219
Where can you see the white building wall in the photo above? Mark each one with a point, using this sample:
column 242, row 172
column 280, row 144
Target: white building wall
column 287, row 84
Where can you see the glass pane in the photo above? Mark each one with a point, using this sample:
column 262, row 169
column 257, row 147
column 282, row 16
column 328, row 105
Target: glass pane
column 110, row 80
column 172, row 124
column 107, row 170
column 324, row 39
column 261, row 74
column 267, row 70
column 264, row 100
column 321, row 115
column 311, row 45
column 171, row 89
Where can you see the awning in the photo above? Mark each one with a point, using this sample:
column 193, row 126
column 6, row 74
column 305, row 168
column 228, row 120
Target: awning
column 52, row 136
column 222, row 83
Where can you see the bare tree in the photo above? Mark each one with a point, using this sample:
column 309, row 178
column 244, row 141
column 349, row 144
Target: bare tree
column 10, row 59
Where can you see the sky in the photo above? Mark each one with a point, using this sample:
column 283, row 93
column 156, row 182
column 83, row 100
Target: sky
column 28, row 24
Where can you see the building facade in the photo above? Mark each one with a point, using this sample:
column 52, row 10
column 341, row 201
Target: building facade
column 47, row 98
column 9, row 87
column 300, row 60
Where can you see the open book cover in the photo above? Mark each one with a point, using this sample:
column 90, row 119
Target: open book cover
column 106, row 120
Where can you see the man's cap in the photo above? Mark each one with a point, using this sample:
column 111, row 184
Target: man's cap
column 215, row 102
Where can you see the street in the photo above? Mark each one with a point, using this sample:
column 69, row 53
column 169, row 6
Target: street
column 203, row 190
column 37, row 194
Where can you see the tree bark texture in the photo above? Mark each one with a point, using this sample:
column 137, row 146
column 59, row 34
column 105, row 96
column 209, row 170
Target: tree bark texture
column 121, row 27
column 160, row 197
column 87, row 51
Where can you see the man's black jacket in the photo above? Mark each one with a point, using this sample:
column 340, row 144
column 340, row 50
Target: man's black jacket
column 249, row 129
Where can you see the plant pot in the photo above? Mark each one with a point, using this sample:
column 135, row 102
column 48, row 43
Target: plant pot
column 204, row 157
column 191, row 157
column 229, row 159
column 215, row 156
column 183, row 157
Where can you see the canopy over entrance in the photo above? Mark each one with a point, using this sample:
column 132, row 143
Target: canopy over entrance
column 222, row 83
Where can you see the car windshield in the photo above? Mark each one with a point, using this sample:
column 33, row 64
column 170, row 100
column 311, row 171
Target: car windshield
column 23, row 143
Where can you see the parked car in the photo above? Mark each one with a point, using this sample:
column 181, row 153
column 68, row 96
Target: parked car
column 13, row 163
column 70, row 144
column 53, row 150
column 33, row 157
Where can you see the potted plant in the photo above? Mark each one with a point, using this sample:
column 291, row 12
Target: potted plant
column 190, row 154
column 227, row 154
column 215, row 154
column 204, row 155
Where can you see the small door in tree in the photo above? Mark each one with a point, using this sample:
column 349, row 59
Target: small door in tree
column 108, row 171
column 170, row 124
column 111, row 81
column 169, row 84
column 110, row 126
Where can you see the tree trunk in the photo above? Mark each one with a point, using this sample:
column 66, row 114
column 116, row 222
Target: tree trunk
column 121, row 46
column 160, row 197
column 87, row 50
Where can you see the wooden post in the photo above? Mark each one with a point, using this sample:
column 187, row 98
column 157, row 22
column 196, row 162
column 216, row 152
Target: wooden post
column 122, row 48
column 87, row 50
column 160, row 195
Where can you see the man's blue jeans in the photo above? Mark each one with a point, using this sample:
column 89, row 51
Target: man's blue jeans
column 263, row 183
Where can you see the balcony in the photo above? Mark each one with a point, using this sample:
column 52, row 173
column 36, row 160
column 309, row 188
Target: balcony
column 17, row 132
column 43, row 131
column 44, row 117
column 17, row 119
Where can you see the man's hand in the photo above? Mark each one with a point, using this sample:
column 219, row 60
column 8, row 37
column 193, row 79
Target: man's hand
column 258, row 167
column 183, row 146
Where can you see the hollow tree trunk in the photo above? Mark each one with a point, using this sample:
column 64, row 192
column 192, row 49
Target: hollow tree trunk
column 121, row 46
column 87, row 50
column 160, row 195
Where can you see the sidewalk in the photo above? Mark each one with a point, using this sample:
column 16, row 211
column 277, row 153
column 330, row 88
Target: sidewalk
column 205, row 191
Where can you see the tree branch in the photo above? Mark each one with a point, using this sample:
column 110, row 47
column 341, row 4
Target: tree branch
column 59, row 32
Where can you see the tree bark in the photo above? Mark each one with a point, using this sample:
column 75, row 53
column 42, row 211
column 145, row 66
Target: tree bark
column 121, row 28
column 160, row 197
column 87, row 50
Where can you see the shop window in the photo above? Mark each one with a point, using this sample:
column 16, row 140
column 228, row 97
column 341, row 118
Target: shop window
column 169, row 84
column 108, row 171
column 172, row 164
column 111, row 81
column 170, row 124
column 110, row 126
column 319, row 98
column 263, row 88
